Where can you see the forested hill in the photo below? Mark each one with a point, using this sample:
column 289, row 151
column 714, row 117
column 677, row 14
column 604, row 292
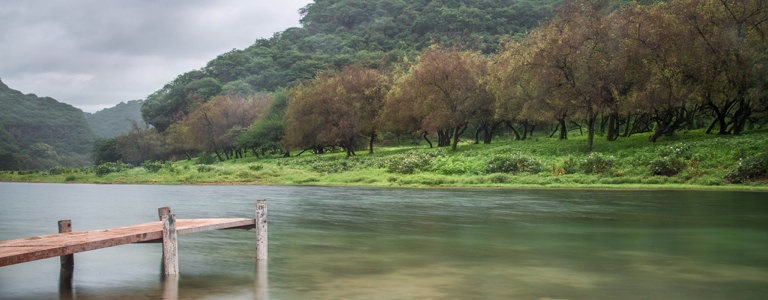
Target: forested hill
column 113, row 121
column 40, row 133
column 336, row 33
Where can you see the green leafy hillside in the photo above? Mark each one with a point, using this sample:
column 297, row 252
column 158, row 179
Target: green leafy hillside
column 113, row 121
column 336, row 33
column 39, row 133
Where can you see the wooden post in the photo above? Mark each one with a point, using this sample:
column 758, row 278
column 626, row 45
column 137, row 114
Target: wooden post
column 163, row 212
column 67, row 266
column 261, row 229
column 67, row 261
column 170, row 246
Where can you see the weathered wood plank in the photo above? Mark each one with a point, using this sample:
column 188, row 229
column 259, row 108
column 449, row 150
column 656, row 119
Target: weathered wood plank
column 47, row 246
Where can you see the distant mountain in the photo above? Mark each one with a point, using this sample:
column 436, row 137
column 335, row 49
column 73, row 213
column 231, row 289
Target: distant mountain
column 117, row 120
column 40, row 133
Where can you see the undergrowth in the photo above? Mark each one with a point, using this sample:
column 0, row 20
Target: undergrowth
column 689, row 159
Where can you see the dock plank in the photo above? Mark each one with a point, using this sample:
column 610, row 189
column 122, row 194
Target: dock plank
column 47, row 246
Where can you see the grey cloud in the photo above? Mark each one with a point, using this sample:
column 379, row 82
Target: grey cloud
column 94, row 54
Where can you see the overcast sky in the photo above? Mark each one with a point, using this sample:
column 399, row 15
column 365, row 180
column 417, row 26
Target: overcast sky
column 94, row 54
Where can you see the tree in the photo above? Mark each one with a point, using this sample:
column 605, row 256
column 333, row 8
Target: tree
column 573, row 61
column 106, row 150
column 216, row 125
column 268, row 131
column 442, row 91
column 335, row 109
column 730, row 43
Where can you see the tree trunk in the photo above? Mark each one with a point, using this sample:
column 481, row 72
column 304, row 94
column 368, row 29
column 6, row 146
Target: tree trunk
column 425, row 135
column 591, row 132
column 514, row 130
column 370, row 142
column 563, row 128
column 457, row 132
column 613, row 126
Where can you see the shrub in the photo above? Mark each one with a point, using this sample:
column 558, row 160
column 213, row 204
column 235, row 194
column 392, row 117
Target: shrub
column 111, row 167
column 514, row 163
column 597, row 163
column 255, row 167
column 666, row 166
column 206, row 158
column 407, row 163
column 59, row 171
column 749, row 169
column 672, row 160
column 204, row 168
column 152, row 166
column 332, row 166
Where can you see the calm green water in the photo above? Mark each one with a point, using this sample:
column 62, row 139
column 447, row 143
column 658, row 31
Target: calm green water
column 367, row 243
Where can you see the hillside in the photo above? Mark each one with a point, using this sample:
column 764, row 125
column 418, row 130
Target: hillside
column 117, row 120
column 40, row 133
column 336, row 33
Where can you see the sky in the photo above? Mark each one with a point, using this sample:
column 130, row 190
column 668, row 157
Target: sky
column 94, row 54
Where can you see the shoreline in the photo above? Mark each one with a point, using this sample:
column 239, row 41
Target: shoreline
column 597, row 187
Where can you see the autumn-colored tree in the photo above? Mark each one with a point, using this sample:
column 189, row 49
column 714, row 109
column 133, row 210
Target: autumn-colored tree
column 656, row 61
column 215, row 125
column 442, row 92
column 519, row 94
column 572, row 60
column 730, row 44
column 335, row 109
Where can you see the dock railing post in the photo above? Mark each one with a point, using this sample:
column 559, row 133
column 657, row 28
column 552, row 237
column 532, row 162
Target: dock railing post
column 170, row 246
column 261, row 229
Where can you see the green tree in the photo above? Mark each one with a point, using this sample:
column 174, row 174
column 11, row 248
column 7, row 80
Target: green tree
column 106, row 150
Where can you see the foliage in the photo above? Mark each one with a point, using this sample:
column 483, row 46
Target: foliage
column 671, row 160
column 106, row 150
column 205, row 158
column 111, row 122
column 752, row 168
column 598, row 163
column 111, row 167
column 514, row 163
column 407, row 163
column 336, row 109
column 153, row 166
column 40, row 133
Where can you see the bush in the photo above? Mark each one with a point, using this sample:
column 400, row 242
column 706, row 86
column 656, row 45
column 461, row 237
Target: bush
column 597, row 163
column 407, row 163
column 206, row 158
column 204, row 168
column 514, row 163
column 672, row 160
column 666, row 166
column 152, row 166
column 749, row 169
column 255, row 167
column 59, row 171
column 111, row 167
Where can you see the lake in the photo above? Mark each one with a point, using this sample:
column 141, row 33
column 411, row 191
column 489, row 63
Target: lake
column 381, row 243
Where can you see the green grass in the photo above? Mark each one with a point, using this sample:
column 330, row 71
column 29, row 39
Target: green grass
column 687, row 160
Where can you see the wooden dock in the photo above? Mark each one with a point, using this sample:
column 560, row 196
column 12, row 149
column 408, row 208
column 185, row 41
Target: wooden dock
column 67, row 242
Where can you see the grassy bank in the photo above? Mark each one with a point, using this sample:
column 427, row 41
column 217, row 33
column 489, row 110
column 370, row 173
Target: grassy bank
column 687, row 160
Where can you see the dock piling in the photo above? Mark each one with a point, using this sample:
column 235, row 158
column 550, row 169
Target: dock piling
column 261, row 229
column 67, row 261
column 170, row 246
